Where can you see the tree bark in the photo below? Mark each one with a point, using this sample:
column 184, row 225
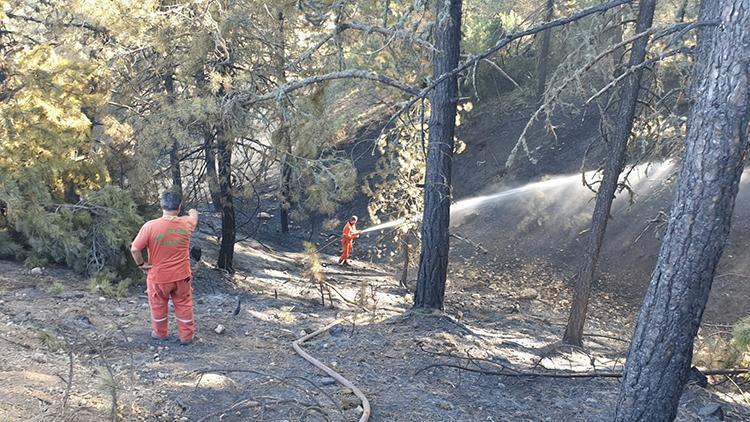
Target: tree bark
column 212, row 177
column 285, row 142
column 433, row 260
column 680, row 14
column 661, row 351
column 174, row 160
column 616, row 38
column 612, row 169
column 226, row 250
column 544, row 59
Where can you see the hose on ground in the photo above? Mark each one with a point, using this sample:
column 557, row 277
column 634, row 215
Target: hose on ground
column 297, row 345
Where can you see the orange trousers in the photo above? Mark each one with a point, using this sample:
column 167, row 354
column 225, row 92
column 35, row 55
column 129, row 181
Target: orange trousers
column 181, row 293
column 346, row 249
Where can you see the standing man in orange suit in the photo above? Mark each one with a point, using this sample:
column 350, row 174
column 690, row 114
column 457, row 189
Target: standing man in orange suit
column 168, row 273
column 347, row 240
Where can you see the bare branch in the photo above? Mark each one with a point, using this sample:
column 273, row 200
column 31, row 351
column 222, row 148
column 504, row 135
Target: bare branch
column 344, row 74
column 395, row 33
column 632, row 69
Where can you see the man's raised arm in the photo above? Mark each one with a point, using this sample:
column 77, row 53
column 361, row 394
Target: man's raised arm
column 193, row 215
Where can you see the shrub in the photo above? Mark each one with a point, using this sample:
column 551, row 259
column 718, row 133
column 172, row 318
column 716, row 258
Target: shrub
column 9, row 248
column 741, row 342
column 107, row 283
column 90, row 236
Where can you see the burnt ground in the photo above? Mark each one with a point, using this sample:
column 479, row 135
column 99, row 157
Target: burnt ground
column 502, row 317
column 506, row 304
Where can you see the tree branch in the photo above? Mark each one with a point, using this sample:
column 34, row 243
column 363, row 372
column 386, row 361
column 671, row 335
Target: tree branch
column 587, row 374
column 344, row 74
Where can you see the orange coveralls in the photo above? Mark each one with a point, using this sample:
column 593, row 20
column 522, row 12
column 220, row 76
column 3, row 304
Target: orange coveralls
column 168, row 244
column 347, row 240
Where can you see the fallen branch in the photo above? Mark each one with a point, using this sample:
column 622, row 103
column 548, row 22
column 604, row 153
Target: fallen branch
column 25, row 346
column 586, row 374
column 527, row 374
column 68, row 382
column 333, row 374
column 476, row 246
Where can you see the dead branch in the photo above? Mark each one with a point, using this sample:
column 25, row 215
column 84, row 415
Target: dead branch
column 556, row 374
column 502, row 72
column 344, row 74
column 68, row 382
column 731, row 275
column 527, row 374
column 659, row 33
column 245, row 99
column 502, row 43
column 25, row 346
column 261, row 402
column 476, row 246
column 394, row 33
column 632, row 69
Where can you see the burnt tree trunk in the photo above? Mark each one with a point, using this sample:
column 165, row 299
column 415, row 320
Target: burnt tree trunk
column 613, row 167
column 433, row 260
column 212, row 177
column 174, row 159
column 616, row 38
column 543, row 64
column 284, row 139
column 226, row 249
column 679, row 16
column 174, row 162
column 662, row 347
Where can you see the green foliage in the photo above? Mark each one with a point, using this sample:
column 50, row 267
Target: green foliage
column 394, row 187
column 109, row 284
column 741, row 336
column 9, row 248
column 45, row 136
column 90, row 236
column 56, row 288
column 49, row 341
column 35, row 260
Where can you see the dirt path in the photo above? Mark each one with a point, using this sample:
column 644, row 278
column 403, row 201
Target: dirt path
column 250, row 372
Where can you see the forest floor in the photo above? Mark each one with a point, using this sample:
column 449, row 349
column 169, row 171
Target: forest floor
column 69, row 354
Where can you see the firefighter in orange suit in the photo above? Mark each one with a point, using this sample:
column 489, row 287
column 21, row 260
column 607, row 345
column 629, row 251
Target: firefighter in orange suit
column 169, row 275
column 347, row 239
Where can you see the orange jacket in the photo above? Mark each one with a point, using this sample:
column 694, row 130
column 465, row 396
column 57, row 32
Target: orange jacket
column 168, row 244
column 350, row 232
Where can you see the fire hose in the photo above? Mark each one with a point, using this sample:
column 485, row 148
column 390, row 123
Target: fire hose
column 297, row 345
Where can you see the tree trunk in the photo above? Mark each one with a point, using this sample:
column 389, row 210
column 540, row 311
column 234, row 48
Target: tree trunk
column 616, row 38
column 174, row 160
column 612, row 169
column 543, row 63
column 211, row 175
column 286, row 185
column 433, row 260
column 285, row 142
column 661, row 351
column 70, row 195
column 226, row 251
column 679, row 16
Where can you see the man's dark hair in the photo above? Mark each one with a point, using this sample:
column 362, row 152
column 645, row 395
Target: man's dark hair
column 170, row 201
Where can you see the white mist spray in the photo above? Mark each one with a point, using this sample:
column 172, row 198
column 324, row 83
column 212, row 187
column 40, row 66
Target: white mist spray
column 648, row 171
